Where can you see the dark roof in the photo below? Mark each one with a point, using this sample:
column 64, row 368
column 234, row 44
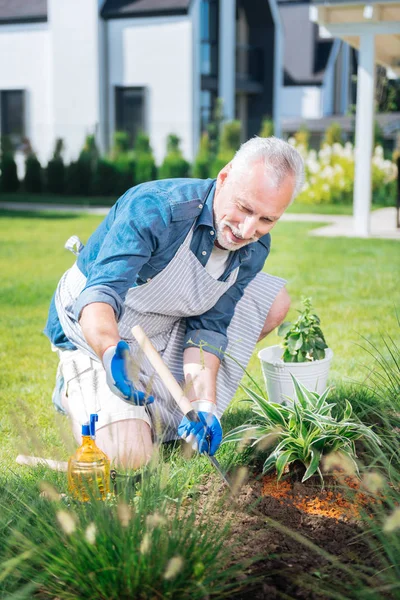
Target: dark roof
column 117, row 9
column 305, row 54
column 23, row 11
column 329, row 2
column 389, row 122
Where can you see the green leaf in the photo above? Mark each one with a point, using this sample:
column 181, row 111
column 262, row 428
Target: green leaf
column 304, row 396
column 247, row 431
column 295, row 342
column 275, row 413
column 271, row 460
column 281, row 462
column 348, row 411
column 314, row 464
column 320, row 343
column 284, row 328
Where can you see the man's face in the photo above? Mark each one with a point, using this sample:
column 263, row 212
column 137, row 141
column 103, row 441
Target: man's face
column 247, row 205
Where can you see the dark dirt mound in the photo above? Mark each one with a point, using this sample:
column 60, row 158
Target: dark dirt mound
column 282, row 562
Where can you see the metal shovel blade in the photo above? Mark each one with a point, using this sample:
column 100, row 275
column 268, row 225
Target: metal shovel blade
column 217, row 466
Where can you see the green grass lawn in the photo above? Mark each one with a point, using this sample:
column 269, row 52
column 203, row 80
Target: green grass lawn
column 353, row 284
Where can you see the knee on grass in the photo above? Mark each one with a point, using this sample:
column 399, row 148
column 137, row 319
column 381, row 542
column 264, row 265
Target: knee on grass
column 128, row 443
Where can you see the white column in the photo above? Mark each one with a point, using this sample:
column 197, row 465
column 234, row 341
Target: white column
column 227, row 56
column 278, row 69
column 364, row 134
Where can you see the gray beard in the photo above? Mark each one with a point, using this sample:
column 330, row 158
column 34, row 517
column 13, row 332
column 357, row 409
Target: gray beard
column 229, row 245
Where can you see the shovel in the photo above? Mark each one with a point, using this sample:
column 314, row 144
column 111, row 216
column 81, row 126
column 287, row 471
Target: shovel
column 173, row 387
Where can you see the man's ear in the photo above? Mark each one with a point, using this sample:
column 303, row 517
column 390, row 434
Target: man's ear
column 223, row 174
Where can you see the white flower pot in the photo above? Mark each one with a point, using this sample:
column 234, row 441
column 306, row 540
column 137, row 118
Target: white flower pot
column 313, row 375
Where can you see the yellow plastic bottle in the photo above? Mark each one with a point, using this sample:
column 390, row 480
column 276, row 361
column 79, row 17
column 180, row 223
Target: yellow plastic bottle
column 89, row 467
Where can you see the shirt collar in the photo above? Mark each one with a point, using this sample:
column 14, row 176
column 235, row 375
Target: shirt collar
column 206, row 217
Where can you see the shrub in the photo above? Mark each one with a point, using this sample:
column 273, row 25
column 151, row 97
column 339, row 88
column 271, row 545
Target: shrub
column 267, row 127
column 106, row 178
column 303, row 339
column 214, row 127
column 330, row 175
column 124, row 161
column 120, row 145
column 33, row 182
column 146, row 169
column 79, row 179
column 9, row 181
column 56, row 170
column 303, row 433
column 174, row 164
column 170, row 547
column 302, row 136
column 333, row 134
column 201, row 165
column 229, row 144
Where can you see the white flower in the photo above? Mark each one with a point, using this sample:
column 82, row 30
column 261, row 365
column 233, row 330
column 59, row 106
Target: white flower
column 155, row 520
column 145, row 544
column 392, row 522
column 90, row 533
column 337, row 149
column 67, row 521
column 124, row 513
column 292, row 141
column 174, row 566
column 373, row 482
column 49, row 492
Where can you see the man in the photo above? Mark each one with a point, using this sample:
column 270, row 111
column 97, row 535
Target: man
column 183, row 259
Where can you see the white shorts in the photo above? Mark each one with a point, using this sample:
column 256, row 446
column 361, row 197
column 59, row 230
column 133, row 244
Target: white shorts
column 83, row 390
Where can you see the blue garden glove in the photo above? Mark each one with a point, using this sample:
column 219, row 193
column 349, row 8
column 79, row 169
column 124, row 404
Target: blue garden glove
column 206, row 437
column 116, row 361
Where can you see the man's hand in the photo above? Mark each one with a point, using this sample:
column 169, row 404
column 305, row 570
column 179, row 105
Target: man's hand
column 116, row 364
column 206, row 436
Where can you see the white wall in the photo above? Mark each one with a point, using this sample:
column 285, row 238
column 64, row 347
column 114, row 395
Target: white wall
column 302, row 101
column 75, row 54
column 156, row 53
column 25, row 64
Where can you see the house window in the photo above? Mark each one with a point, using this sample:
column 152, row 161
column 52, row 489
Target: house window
column 12, row 109
column 209, row 37
column 129, row 110
column 207, row 103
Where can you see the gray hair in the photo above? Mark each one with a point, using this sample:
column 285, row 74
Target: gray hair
column 280, row 160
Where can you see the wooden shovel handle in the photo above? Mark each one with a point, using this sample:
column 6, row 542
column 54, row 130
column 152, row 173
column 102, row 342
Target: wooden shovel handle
column 34, row 461
column 162, row 370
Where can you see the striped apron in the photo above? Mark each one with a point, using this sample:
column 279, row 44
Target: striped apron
column 182, row 289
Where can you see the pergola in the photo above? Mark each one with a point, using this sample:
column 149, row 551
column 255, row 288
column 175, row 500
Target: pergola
column 374, row 29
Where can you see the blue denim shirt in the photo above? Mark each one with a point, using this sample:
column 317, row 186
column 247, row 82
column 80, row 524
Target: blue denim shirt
column 139, row 237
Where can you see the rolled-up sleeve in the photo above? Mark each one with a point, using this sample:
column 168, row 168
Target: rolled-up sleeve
column 209, row 330
column 132, row 238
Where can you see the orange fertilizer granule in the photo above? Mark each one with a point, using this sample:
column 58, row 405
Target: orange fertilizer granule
column 331, row 503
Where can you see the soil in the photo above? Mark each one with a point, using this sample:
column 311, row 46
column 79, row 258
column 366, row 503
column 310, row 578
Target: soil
column 286, row 568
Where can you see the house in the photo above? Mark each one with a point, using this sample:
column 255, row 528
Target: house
column 78, row 67
column 320, row 77
column 374, row 29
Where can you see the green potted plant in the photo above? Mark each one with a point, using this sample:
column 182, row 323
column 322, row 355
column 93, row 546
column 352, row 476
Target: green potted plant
column 299, row 436
column 305, row 355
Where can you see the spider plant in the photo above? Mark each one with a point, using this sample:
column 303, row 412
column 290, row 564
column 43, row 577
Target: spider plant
column 304, row 432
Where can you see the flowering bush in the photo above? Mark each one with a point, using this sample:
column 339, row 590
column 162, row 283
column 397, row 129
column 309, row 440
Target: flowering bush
column 330, row 175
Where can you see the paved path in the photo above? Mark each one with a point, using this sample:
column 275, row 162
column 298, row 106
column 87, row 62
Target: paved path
column 383, row 220
column 383, row 224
